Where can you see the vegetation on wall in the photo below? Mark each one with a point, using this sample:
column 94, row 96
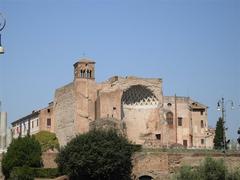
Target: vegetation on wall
column 210, row 169
column 47, row 140
column 24, row 151
column 97, row 155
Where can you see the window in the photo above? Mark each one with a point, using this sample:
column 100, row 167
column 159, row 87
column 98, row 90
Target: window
column 169, row 104
column 185, row 143
column 37, row 122
column 32, row 124
column 158, row 136
column 202, row 141
column 48, row 122
column 180, row 121
column 202, row 125
column 48, row 110
column 201, row 112
column 169, row 117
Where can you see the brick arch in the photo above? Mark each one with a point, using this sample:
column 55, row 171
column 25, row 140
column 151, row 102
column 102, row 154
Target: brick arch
column 145, row 175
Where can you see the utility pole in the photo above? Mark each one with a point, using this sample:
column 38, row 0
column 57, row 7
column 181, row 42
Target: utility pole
column 221, row 107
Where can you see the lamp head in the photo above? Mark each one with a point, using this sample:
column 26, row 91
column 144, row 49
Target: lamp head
column 232, row 105
column 218, row 106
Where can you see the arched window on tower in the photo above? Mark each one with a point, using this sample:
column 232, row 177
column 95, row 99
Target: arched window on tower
column 81, row 73
column 169, row 118
column 90, row 74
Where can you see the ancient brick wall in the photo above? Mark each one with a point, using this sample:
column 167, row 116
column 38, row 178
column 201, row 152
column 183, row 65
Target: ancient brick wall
column 64, row 113
column 162, row 165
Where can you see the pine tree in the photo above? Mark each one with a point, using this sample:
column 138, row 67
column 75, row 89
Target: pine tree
column 218, row 139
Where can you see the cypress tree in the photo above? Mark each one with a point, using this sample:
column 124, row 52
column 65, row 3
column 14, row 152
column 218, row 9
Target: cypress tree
column 218, row 139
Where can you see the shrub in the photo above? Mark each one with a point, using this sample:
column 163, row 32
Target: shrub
column 22, row 152
column 234, row 175
column 210, row 169
column 23, row 173
column 187, row 173
column 28, row 173
column 47, row 140
column 97, row 155
column 213, row 169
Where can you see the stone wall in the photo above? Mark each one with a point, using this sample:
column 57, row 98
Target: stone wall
column 162, row 165
column 64, row 113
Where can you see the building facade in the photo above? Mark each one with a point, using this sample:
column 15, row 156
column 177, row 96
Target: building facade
column 136, row 105
column 40, row 120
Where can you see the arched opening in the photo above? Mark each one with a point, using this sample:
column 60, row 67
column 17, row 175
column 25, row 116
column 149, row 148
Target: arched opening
column 90, row 74
column 81, row 73
column 169, row 118
column 145, row 177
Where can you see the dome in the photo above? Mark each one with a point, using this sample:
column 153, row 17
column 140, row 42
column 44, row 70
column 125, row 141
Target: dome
column 139, row 95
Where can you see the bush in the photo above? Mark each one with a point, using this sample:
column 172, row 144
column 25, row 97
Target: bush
column 47, row 140
column 187, row 173
column 210, row 169
column 97, row 155
column 22, row 173
column 234, row 175
column 21, row 152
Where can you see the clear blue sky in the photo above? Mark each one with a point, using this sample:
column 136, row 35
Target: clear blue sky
column 193, row 45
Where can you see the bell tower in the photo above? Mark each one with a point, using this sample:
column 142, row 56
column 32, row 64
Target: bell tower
column 85, row 94
column 84, row 69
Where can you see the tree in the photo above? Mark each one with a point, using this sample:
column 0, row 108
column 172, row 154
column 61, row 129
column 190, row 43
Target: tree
column 24, row 151
column 100, row 155
column 47, row 140
column 218, row 139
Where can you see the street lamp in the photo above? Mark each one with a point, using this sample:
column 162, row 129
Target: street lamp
column 221, row 107
column 2, row 25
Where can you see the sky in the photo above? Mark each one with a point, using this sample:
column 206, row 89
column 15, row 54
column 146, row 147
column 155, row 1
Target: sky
column 192, row 45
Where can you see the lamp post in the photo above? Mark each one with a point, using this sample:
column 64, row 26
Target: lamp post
column 2, row 25
column 221, row 107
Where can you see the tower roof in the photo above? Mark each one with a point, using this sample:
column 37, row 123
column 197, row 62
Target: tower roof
column 84, row 61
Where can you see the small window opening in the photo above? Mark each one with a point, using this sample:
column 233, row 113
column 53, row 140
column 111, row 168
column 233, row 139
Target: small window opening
column 158, row 136
column 48, row 122
column 169, row 104
column 202, row 125
column 180, row 121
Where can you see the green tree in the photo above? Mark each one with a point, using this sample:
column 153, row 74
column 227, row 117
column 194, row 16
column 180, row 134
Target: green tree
column 24, row 151
column 47, row 140
column 218, row 139
column 100, row 155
